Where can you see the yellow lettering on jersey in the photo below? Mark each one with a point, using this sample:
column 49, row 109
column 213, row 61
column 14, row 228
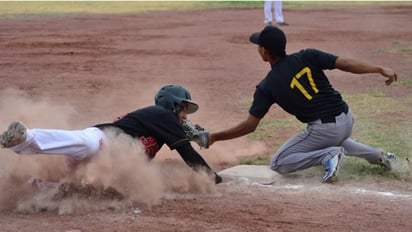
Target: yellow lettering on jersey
column 295, row 83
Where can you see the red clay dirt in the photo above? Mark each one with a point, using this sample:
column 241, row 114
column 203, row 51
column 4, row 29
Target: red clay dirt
column 73, row 71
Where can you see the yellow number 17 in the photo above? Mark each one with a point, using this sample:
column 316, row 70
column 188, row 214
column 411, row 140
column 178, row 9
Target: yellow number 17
column 295, row 83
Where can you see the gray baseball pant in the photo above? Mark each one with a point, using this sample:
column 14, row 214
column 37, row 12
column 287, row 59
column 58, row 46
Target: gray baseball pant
column 318, row 143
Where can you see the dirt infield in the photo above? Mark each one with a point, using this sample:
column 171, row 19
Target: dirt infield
column 80, row 70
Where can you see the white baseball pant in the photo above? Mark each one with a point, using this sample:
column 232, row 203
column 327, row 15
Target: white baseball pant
column 77, row 144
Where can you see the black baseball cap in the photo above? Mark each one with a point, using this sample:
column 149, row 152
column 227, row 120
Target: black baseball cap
column 272, row 38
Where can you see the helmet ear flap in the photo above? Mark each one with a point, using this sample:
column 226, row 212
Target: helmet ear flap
column 178, row 109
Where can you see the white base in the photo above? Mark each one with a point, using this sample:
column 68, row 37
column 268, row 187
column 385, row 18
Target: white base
column 257, row 173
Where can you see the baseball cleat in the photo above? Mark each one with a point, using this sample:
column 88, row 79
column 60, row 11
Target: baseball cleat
column 15, row 134
column 387, row 160
column 332, row 168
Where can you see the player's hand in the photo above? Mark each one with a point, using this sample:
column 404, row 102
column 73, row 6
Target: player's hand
column 218, row 179
column 390, row 74
column 211, row 139
column 196, row 133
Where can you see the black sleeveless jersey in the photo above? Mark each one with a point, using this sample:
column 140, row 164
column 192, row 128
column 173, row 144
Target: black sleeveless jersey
column 299, row 86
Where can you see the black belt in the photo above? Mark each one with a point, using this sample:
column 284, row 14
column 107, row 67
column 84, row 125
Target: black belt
column 328, row 119
column 331, row 119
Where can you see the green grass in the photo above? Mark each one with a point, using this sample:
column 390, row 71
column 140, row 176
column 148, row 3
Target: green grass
column 407, row 82
column 382, row 121
column 15, row 8
column 398, row 47
column 269, row 127
column 258, row 160
column 92, row 7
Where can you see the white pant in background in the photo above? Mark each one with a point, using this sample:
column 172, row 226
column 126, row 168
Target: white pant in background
column 277, row 11
column 77, row 144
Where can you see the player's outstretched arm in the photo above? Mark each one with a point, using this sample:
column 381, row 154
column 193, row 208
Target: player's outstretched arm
column 195, row 161
column 360, row 67
column 245, row 127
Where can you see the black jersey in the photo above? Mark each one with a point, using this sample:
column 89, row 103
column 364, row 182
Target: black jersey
column 154, row 126
column 298, row 84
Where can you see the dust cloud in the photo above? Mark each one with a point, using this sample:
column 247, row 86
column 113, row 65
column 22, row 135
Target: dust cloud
column 30, row 183
column 229, row 152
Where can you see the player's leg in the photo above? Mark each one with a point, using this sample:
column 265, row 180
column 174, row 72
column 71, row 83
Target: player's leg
column 293, row 156
column 360, row 150
column 268, row 12
column 77, row 144
column 372, row 154
column 278, row 12
column 318, row 144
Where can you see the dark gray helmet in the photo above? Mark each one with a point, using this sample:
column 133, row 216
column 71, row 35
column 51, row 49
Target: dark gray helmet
column 171, row 97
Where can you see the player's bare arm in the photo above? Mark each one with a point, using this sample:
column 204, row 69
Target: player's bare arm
column 360, row 67
column 245, row 127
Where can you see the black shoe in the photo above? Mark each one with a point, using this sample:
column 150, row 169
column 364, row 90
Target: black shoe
column 283, row 24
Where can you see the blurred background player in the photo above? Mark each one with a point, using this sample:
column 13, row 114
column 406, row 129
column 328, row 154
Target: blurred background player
column 277, row 12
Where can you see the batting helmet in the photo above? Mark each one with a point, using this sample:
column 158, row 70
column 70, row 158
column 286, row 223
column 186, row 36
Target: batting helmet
column 172, row 97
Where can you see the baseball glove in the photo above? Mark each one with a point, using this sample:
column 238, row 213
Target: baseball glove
column 196, row 133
